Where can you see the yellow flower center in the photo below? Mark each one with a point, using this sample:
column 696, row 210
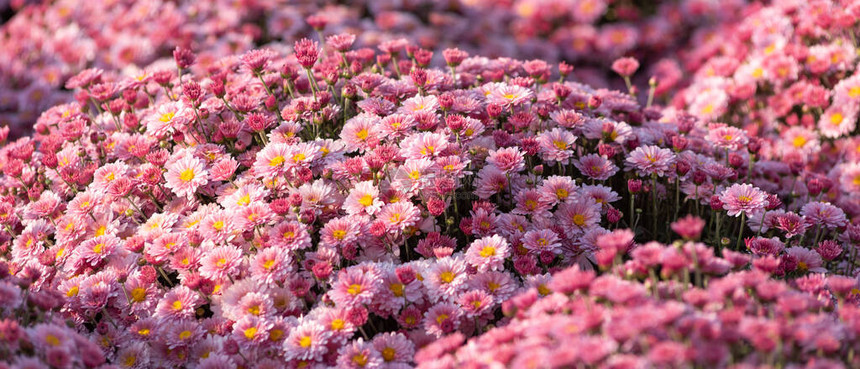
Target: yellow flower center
column 366, row 200
column 250, row 333
column 52, row 340
column 339, row 234
column 441, row 318
column 561, row 145
column 543, row 290
column 414, row 174
column 799, row 141
column 177, row 305
column 396, row 289
column 359, row 359
column 129, row 360
column 254, row 310
column 446, row 277
column 354, row 289
column 561, row 193
column 579, row 220
column 836, row 119
column 138, row 294
column 143, row 331
column 268, row 264
column 275, row 334
column 744, row 198
column 98, row 248
column 305, row 342
column 801, row 266
column 854, row 92
column 388, row 354
column 276, row 161
column 187, row 175
column 299, row 157
column 337, row 324
column 362, row 134
column 244, row 200
column 218, row 225
column 72, row 292
column 488, row 251
column 166, row 117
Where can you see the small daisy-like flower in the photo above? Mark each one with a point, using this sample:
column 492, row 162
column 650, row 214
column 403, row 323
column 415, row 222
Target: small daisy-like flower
column 221, row 263
column 508, row 160
column 475, row 303
column 531, row 202
column 399, row 216
column 807, row 260
column 556, row 145
column 507, row 96
column 578, row 216
column 446, row 278
column 488, row 253
column 251, row 331
column 363, row 199
column 727, row 137
column 270, row 266
column 308, row 341
column 360, row 132
column 272, row 160
column 359, row 354
column 179, row 303
column 824, row 213
column 743, row 198
column 423, row 145
column 596, row 167
column 354, row 287
column 185, row 176
column 94, row 250
column 651, row 160
column 340, row 231
column 442, row 318
column 556, row 189
column 394, row 347
column 838, row 121
column 539, row 241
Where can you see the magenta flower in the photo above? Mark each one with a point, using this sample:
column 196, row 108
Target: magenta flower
column 743, row 198
column 651, row 160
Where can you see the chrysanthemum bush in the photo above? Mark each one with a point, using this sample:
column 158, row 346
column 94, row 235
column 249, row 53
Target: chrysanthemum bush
column 334, row 206
column 47, row 42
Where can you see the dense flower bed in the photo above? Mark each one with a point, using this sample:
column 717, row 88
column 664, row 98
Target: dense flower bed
column 47, row 42
column 326, row 204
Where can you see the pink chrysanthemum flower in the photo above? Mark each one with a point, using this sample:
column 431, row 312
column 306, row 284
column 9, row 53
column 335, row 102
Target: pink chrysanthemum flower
column 442, row 318
column 727, row 137
column 399, row 216
column 423, row 145
column 475, row 303
column 500, row 285
column 743, row 198
column 532, row 202
column 290, row 235
column 596, row 167
column 578, row 216
column 850, row 178
column 185, row 176
column 651, row 160
column 251, row 331
column 94, row 250
column 360, row 132
column 540, row 241
column 824, row 214
column 491, row 181
column 556, row 189
column 353, row 287
column 600, row 194
column 221, row 263
column 180, row 303
column 270, row 266
column 488, row 253
column 272, row 160
column 508, row 160
column 359, row 354
column 807, row 260
column 556, row 145
column 166, row 117
column 308, row 341
column 507, row 96
column 838, row 121
column 363, row 199
column 395, row 348
column 446, row 278
column 340, row 231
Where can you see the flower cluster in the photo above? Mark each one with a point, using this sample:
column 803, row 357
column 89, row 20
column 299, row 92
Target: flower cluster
column 46, row 44
column 325, row 204
column 645, row 314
